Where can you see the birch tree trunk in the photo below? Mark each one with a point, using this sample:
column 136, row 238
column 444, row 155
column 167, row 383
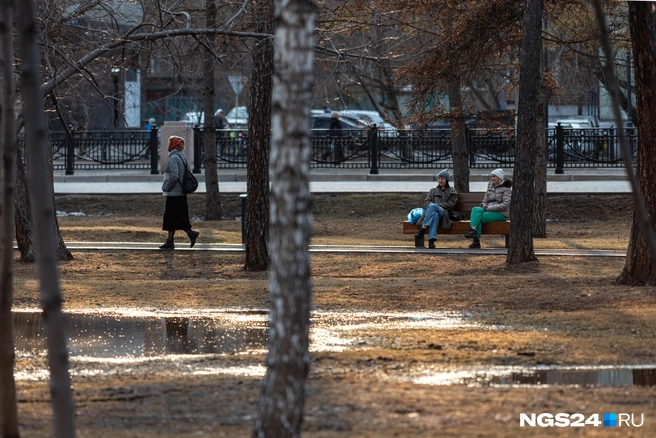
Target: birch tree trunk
column 459, row 148
column 530, row 80
column 280, row 412
column 8, row 402
column 212, row 196
column 259, row 135
column 43, row 216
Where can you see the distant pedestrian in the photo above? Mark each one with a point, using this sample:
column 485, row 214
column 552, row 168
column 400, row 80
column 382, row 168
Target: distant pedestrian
column 150, row 124
column 176, row 212
column 326, row 109
column 335, row 139
column 220, row 123
column 495, row 206
column 440, row 201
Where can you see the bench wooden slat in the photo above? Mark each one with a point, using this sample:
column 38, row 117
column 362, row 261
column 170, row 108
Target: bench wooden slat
column 461, row 227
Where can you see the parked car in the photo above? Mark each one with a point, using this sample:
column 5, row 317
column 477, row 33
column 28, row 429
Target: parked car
column 194, row 117
column 370, row 117
column 321, row 120
column 237, row 117
column 579, row 122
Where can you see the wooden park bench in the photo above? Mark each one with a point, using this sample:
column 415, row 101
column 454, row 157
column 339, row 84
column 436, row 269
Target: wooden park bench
column 466, row 201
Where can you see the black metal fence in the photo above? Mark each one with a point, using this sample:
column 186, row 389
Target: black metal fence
column 353, row 149
column 99, row 150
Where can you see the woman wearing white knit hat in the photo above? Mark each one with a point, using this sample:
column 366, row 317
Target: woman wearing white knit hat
column 495, row 206
column 438, row 204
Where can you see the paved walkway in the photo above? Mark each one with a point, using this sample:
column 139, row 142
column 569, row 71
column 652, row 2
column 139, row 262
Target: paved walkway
column 339, row 181
column 222, row 247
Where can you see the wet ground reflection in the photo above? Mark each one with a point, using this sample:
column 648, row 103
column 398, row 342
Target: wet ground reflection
column 114, row 336
column 593, row 376
column 130, row 334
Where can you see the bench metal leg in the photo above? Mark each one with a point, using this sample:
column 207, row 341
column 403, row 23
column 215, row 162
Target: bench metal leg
column 419, row 242
column 507, row 240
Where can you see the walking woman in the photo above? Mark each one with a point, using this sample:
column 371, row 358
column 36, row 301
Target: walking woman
column 176, row 212
column 438, row 204
column 495, row 206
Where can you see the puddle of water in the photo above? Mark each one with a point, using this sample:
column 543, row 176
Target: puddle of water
column 593, row 376
column 111, row 336
column 133, row 334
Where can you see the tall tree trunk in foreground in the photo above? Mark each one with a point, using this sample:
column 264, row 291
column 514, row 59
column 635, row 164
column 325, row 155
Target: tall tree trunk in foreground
column 259, row 135
column 280, row 412
column 639, row 267
column 459, row 148
column 540, row 197
column 8, row 403
column 43, row 212
column 212, row 195
column 530, row 80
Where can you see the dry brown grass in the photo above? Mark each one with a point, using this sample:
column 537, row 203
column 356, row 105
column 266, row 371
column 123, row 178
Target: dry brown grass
column 561, row 310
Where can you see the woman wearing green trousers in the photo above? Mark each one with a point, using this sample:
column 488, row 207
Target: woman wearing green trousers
column 495, row 206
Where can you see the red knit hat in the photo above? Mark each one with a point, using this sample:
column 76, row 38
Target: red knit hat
column 176, row 142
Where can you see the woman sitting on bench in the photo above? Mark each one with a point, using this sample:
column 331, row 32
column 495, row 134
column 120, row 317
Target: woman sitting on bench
column 440, row 201
column 495, row 206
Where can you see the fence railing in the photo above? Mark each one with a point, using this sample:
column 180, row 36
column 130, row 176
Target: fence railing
column 353, row 149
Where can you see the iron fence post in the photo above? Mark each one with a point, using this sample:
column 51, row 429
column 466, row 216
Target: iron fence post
column 470, row 151
column 373, row 149
column 197, row 158
column 70, row 153
column 153, row 145
column 560, row 156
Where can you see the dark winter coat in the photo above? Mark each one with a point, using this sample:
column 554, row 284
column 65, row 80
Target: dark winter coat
column 446, row 199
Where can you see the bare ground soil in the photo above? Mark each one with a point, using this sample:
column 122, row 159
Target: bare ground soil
column 563, row 311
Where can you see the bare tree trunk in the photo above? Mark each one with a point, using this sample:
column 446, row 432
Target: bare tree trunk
column 23, row 215
column 530, row 80
column 43, row 215
column 540, row 197
column 280, row 412
column 8, row 402
column 212, row 195
column 639, row 267
column 259, row 131
column 459, row 149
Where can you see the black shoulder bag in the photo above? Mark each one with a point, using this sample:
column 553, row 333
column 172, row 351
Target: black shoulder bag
column 189, row 182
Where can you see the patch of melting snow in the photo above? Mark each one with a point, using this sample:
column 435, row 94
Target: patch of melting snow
column 74, row 213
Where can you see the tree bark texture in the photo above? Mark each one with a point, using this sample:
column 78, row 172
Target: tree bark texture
column 280, row 412
column 8, row 403
column 23, row 215
column 259, row 129
column 540, row 197
column 43, row 218
column 458, row 140
column 638, row 268
column 530, row 80
column 212, row 196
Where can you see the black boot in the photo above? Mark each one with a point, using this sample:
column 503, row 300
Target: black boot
column 193, row 235
column 476, row 244
column 431, row 243
column 471, row 233
column 167, row 245
column 419, row 234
